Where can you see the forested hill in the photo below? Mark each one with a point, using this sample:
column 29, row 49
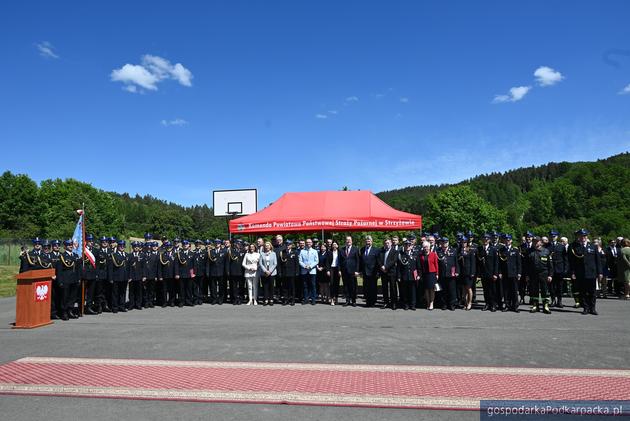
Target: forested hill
column 565, row 196
column 595, row 195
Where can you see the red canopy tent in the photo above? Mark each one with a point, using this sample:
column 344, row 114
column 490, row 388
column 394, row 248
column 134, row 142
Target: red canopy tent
column 327, row 210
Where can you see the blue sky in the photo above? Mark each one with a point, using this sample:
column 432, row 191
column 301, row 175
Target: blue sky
column 176, row 99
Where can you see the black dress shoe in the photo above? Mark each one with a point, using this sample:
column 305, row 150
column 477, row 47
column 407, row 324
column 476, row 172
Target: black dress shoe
column 485, row 308
column 584, row 311
column 73, row 315
column 504, row 309
column 88, row 310
column 64, row 316
column 354, row 304
column 594, row 312
column 54, row 317
column 451, row 308
column 124, row 310
column 413, row 309
column 346, row 304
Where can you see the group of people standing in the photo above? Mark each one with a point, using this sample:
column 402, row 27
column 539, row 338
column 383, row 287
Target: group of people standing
column 430, row 272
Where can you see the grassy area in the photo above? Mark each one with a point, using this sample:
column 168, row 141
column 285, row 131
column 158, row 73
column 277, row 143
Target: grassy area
column 7, row 280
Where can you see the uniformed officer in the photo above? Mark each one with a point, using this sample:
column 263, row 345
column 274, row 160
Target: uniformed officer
column 510, row 273
column 31, row 259
column 118, row 277
column 102, row 295
column 526, row 248
column 540, row 275
column 488, row 269
column 409, row 269
column 235, row 271
column 448, row 265
column 467, row 256
column 136, row 273
column 585, row 268
column 217, row 268
column 151, row 265
column 67, row 275
column 289, row 261
column 167, row 291
column 560, row 258
column 184, row 267
column 89, row 276
column 201, row 258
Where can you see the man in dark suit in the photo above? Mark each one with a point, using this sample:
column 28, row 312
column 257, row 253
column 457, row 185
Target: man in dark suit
column 152, row 264
column 184, row 268
column 349, row 264
column 560, row 260
column 387, row 260
column 118, row 277
column 67, row 275
column 369, row 267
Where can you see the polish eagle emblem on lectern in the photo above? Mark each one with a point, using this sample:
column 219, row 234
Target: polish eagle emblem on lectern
column 41, row 292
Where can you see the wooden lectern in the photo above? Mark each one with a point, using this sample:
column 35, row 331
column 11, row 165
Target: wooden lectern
column 34, row 292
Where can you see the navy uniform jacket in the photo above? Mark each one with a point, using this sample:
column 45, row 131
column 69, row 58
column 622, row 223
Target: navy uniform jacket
column 560, row 258
column 66, row 270
column 349, row 260
column 184, row 263
column 101, row 256
column 201, row 260
column 278, row 249
column 32, row 260
column 391, row 265
column 217, row 260
column 117, row 267
column 584, row 261
column 526, row 249
column 408, row 263
column 488, row 262
column 235, row 262
column 151, row 265
column 289, row 260
column 448, row 263
column 166, row 268
column 369, row 261
column 467, row 261
column 135, row 265
column 540, row 262
column 510, row 262
column 90, row 273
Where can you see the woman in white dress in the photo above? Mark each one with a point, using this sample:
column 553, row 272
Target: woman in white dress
column 250, row 263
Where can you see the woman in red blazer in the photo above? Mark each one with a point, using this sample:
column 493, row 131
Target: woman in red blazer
column 429, row 264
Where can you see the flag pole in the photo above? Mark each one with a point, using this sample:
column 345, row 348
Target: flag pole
column 82, row 259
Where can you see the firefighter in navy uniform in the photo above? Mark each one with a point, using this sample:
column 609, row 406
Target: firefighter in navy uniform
column 67, row 275
column 167, row 289
column 184, row 273
column 448, row 264
column 560, row 258
column 488, row 270
column 102, row 293
column 408, row 268
column 46, row 260
column 526, row 248
column 135, row 268
column 151, row 265
column 235, row 271
column 90, row 276
column 217, row 264
column 289, row 260
column 585, row 268
column 31, row 259
column 201, row 260
column 117, row 274
column 540, row 275
column 510, row 273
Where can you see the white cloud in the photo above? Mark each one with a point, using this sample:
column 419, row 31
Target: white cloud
column 352, row 99
column 131, row 74
column 153, row 70
column 321, row 116
column 516, row 94
column 404, row 100
column 175, row 122
column 46, row 49
column 625, row 90
column 546, row 76
column 333, row 112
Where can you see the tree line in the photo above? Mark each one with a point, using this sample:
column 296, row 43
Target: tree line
column 564, row 196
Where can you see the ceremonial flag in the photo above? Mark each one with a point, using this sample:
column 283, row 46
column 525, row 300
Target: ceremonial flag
column 78, row 238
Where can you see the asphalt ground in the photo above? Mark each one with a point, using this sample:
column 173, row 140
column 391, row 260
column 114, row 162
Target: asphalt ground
column 310, row 334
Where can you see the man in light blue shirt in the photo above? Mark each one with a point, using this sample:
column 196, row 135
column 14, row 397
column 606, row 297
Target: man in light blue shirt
column 308, row 270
